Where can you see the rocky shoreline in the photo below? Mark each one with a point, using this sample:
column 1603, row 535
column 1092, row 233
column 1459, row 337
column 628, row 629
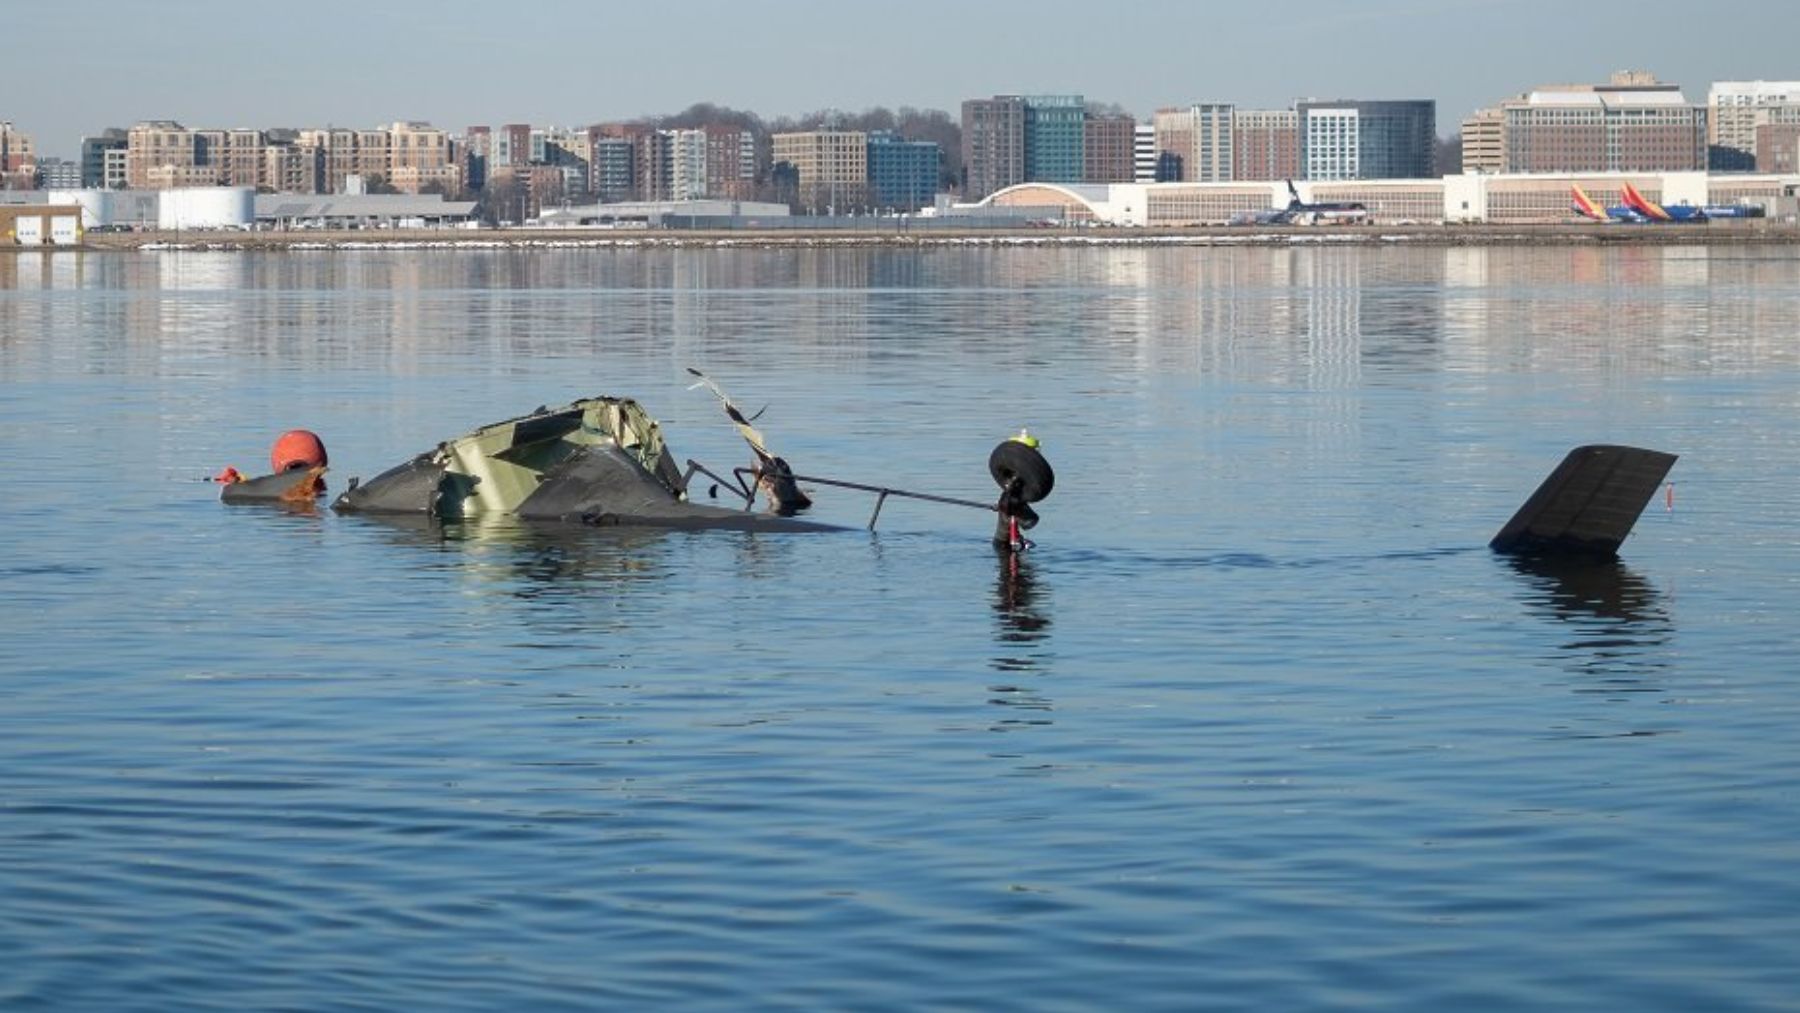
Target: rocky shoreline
column 1712, row 233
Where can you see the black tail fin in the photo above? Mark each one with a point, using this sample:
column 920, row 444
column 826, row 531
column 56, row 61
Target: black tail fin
column 1294, row 201
column 1588, row 504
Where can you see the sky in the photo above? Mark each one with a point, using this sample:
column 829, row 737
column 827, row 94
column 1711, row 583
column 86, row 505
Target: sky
column 75, row 69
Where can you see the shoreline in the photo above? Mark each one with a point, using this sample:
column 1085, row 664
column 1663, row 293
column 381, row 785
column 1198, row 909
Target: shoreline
column 1711, row 233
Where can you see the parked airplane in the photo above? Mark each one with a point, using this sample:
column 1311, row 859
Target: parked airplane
column 1588, row 208
column 1299, row 212
column 1639, row 209
column 1656, row 212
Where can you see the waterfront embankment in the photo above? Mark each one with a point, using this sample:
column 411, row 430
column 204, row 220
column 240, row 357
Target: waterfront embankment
column 1742, row 233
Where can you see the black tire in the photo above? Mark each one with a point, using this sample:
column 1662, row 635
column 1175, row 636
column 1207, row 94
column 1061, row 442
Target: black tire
column 1014, row 462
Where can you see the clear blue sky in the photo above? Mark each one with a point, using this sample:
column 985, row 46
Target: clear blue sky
column 74, row 68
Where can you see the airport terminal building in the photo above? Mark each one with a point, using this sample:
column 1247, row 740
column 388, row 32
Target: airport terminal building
column 1470, row 198
column 240, row 208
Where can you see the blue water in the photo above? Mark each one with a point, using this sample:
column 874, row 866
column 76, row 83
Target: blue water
column 1258, row 724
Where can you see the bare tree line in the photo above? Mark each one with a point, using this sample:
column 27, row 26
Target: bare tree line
column 910, row 123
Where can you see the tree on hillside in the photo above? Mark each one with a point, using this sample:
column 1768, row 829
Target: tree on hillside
column 503, row 199
column 702, row 114
column 935, row 125
column 908, row 122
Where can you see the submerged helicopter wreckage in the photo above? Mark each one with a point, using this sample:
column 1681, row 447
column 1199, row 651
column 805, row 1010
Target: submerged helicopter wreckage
column 602, row 461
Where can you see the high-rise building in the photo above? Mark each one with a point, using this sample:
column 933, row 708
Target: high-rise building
column 1778, row 148
column 616, row 160
column 1054, row 134
column 114, row 170
column 58, row 174
column 419, row 160
column 161, row 147
column 1354, row 139
column 1633, row 123
column 230, row 157
column 512, row 146
column 1012, row 139
column 1484, row 141
column 17, row 158
column 1201, row 135
column 903, row 174
column 637, row 161
column 1734, row 111
column 477, row 156
column 1143, row 153
column 289, row 167
column 566, row 150
column 729, row 171
column 671, row 165
column 348, row 153
column 1265, row 144
column 1109, row 149
column 687, row 164
column 93, row 155
column 993, row 139
column 832, row 167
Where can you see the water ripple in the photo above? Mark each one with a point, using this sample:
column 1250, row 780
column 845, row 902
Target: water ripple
column 1260, row 723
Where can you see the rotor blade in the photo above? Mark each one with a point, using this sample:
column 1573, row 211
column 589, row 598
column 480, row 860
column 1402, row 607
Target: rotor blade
column 744, row 428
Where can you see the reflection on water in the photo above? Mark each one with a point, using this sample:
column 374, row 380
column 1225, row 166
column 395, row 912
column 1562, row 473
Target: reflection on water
column 1321, row 317
column 1619, row 628
column 719, row 770
column 1022, row 637
column 1020, row 605
column 532, row 560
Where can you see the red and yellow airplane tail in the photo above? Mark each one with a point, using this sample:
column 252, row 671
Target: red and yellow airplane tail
column 1585, row 206
column 1637, row 202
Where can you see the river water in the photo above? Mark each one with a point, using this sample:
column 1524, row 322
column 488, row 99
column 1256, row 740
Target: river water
column 1259, row 723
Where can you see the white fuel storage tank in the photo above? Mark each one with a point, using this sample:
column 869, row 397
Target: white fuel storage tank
column 213, row 207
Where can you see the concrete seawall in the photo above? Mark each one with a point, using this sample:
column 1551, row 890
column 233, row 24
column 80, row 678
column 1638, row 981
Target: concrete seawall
column 1721, row 232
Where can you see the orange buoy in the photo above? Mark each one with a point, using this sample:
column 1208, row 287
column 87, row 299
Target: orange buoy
column 297, row 448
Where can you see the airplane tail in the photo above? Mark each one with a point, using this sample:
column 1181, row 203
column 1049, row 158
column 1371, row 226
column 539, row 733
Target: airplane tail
column 1584, row 205
column 1588, row 504
column 1294, row 201
column 1639, row 203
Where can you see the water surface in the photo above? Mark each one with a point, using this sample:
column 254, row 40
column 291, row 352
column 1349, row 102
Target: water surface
column 1259, row 723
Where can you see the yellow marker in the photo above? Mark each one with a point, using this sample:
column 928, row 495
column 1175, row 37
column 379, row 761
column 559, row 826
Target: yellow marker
column 1026, row 438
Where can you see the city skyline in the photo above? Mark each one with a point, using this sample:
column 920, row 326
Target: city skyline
column 457, row 63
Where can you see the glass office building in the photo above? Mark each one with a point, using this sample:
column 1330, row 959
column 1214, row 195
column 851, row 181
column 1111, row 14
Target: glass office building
column 1367, row 140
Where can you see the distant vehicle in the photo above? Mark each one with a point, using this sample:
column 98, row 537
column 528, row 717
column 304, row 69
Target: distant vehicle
column 1299, row 212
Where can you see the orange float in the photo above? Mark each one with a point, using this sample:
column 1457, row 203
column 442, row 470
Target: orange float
column 297, row 448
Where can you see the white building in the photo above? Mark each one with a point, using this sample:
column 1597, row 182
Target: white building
column 687, row 165
column 1143, row 153
column 1736, row 108
column 1331, row 144
column 1200, row 136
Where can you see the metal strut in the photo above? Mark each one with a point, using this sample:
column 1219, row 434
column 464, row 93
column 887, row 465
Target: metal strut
column 747, row 494
column 881, row 492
